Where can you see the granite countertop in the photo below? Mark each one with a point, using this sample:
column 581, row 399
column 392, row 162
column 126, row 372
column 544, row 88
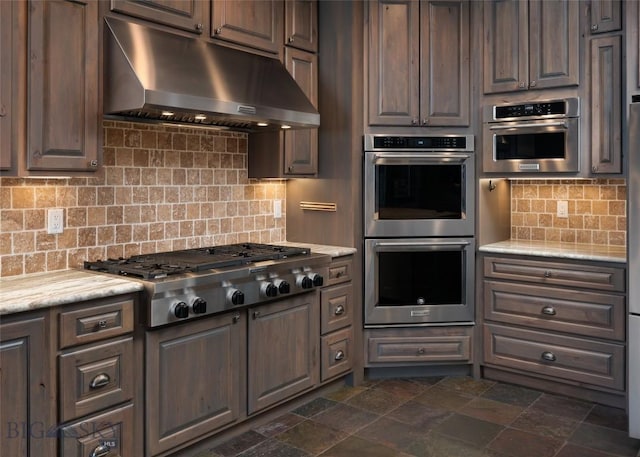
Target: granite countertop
column 43, row 290
column 559, row 250
column 333, row 251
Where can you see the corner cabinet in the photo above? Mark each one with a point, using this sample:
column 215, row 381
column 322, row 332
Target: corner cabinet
column 556, row 325
column 419, row 63
column 27, row 387
column 531, row 45
column 64, row 113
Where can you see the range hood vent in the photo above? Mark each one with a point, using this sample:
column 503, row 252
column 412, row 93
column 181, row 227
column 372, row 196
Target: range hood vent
column 156, row 76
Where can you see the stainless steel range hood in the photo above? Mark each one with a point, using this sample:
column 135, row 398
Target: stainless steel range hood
column 154, row 75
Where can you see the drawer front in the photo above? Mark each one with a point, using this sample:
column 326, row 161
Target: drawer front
column 109, row 434
column 417, row 349
column 336, row 308
column 337, row 354
column 340, row 271
column 89, row 323
column 584, row 313
column 556, row 273
column 574, row 359
column 96, row 378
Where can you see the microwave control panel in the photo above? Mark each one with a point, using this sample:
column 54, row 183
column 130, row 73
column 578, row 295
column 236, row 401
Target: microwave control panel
column 531, row 109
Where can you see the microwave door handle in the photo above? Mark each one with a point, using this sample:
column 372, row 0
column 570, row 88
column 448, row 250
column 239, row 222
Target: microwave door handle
column 528, row 125
column 419, row 245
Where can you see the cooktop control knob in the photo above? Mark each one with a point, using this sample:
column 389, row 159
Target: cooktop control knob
column 181, row 310
column 304, row 281
column 269, row 289
column 283, row 286
column 235, row 297
column 199, row 306
column 317, row 279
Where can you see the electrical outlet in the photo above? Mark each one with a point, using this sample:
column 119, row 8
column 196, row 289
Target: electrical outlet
column 55, row 221
column 563, row 209
column 277, row 209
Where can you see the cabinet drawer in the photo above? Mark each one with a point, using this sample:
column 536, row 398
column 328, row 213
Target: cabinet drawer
column 584, row 313
column 340, row 271
column 337, row 353
column 95, row 378
column 556, row 273
column 573, row 359
column 336, row 308
column 88, row 323
column 109, row 434
column 419, row 345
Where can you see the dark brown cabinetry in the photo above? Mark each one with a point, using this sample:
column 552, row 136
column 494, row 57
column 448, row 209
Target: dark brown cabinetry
column 256, row 24
column 283, row 350
column 530, row 45
column 301, row 24
column 27, row 411
column 606, row 16
column 560, row 324
column 195, row 378
column 419, row 70
column 189, row 15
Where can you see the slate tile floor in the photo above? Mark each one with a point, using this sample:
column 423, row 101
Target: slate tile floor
column 438, row 417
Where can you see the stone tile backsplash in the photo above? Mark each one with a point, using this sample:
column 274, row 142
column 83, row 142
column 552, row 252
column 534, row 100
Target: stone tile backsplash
column 596, row 211
column 161, row 188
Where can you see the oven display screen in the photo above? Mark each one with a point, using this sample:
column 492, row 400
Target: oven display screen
column 420, row 277
column 419, row 191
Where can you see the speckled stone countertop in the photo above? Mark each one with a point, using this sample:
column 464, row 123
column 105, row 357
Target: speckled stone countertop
column 559, row 250
column 333, row 251
column 43, row 290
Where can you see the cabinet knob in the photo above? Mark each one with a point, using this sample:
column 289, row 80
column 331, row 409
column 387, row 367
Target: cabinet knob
column 425, row 121
column 100, row 380
column 100, row 451
column 533, row 84
column 339, row 355
column 290, row 168
column 218, row 31
column 547, row 274
column 93, row 163
column 594, row 27
column 290, row 39
column 198, row 28
column 3, row 111
column 548, row 356
column 594, row 169
column 549, row 311
column 236, row 318
column 256, row 314
column 414, row 121
column 102, row 324
column 339, row 310
column 421, row 351
column 522, row 85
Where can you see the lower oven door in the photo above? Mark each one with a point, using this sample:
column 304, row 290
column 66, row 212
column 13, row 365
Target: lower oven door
column 419, row 281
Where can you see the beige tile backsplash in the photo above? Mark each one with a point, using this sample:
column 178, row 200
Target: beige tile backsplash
column 597, row 211
column 161, row 188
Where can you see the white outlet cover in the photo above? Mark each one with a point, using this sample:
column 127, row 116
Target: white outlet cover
column 277, row 209
column 563, row 208
column 55, row 221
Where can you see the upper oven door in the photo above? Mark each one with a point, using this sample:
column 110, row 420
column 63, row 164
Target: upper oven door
column 419, row 194
column 532, row 146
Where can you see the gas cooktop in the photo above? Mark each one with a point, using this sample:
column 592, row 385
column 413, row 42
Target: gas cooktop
column 163, row 264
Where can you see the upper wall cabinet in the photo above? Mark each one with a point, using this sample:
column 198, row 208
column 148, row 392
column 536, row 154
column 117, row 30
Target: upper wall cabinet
column 189, row 15
column 419, row 63
column 63, row 131
column 606, row 16
column 254, row 23
column 530, row 45
column 301, row 24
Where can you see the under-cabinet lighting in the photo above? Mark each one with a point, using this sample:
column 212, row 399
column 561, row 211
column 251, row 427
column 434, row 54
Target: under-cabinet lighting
column 262, row 124
column 167, row 113
column 200, row 117
column 284, row 127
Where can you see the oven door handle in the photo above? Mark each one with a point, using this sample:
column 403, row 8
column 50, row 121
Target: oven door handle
column 382, row 246
column 420, row 158
column 520, row 125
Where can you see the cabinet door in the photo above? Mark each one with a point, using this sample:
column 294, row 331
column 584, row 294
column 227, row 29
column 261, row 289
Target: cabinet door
column 506, row 46
column 444, row 63
column 25, row 392
column 606, row 16
column 606, row 105
column 284, row 339
column 554, row 53
column 394, row 28
column 64, row 114
column 10, row 83
column 193, row 383
column 253, row 23
column 301, row 24
column 187, row 15
column 301, row 146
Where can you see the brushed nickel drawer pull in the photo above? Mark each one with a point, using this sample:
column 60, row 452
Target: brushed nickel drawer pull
column 421, row 351
column 549, row 311
column 100, row 380
column 339, row 355
column 101, row 450
column 548, row 356
column 339, row 310
column 547, row 274
column 102, row 323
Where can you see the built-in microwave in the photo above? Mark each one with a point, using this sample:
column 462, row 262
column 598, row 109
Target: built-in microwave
column 532, row 137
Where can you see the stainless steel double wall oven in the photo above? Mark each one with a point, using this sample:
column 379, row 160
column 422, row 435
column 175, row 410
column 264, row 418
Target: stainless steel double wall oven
column 419, row 193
